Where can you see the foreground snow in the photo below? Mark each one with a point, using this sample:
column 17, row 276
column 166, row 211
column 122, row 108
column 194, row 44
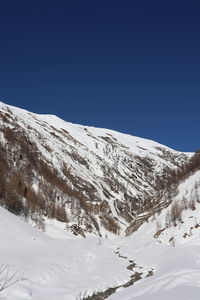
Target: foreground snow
column 177, row 269
column 69, row 268
column 175, row 255
column 63, row 268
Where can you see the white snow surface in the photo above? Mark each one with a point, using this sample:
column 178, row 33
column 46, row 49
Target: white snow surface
column 177, row 264
column 64, row 268
column 68, row 268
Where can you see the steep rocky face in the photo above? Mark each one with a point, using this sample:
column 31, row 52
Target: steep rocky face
column 95, row 180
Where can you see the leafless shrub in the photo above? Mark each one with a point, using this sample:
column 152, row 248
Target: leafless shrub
column 9, row 278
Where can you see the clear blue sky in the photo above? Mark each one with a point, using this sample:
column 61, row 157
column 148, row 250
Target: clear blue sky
column 132, row 66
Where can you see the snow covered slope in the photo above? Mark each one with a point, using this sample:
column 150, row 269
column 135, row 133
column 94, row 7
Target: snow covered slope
column 176, row 269
column 173, row 253
column 95, row 180
column 67, row 269
column 72, row 268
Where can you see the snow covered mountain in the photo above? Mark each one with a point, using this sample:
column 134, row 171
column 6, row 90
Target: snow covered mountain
column 94, row 180
column 68, row 179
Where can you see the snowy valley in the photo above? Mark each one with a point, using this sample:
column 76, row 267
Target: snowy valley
column 91, row 214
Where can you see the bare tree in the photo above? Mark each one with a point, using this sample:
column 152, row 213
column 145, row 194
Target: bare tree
column 192, row 204
column 8, row 278
column 168, row 220
column 158, row 225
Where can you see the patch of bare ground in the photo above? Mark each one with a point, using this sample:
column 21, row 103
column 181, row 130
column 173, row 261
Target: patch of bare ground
column 101, row 295
column 105, row 294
